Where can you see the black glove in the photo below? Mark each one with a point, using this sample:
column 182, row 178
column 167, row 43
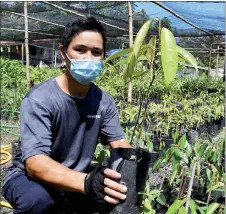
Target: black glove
column 94, row 184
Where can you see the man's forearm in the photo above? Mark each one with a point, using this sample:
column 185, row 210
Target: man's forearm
column 45, row 169
column 120, row 144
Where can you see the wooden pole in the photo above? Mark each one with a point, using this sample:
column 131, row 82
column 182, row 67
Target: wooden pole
column 53, row 52
column 210, row 53
column 218, row 47
column 27, row 46
column 22, row 53
column 130, row 17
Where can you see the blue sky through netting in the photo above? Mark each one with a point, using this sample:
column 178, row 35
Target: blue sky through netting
column 207, row 15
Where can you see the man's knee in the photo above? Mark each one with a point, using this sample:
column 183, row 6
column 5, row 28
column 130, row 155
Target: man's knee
column 27, row 196
column 35, row 201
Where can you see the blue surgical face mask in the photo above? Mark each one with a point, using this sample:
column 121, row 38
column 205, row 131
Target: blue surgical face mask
column 85, row 71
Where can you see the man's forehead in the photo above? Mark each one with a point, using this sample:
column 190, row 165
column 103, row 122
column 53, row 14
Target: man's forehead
column 88, row 39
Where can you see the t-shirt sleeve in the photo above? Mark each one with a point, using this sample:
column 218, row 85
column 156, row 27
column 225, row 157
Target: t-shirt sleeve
column 35, row 129
column 110, row 129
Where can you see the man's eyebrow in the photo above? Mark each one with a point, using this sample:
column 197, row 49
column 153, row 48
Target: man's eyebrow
column 84, row 46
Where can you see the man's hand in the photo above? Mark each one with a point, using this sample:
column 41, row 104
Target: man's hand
column 101, row 185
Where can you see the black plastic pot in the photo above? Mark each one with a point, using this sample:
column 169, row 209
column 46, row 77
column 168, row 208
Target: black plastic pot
column 192, row 136
column 223, row 122
column 168, row 142
column 133, row 165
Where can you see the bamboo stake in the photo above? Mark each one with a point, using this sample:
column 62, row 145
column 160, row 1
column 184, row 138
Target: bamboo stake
column 22, row 53
column 180, row 17
column 190, row 186
column 210, row 52
column 130, row 17
column 53, row 50
column 217, row 59
column 78, row 14
column 47, row 22
column 27, row 46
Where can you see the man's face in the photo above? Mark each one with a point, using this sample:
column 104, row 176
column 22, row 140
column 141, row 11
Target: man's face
column 86, row 45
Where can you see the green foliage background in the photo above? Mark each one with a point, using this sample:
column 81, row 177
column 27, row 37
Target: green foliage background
column 14, row 84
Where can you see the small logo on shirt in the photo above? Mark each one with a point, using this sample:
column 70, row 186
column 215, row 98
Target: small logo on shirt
column 94, row 116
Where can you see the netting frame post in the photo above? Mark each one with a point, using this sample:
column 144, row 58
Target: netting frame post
column 27, row 45
column 130, row 18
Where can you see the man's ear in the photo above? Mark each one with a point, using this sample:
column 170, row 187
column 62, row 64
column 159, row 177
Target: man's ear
column 62, row 52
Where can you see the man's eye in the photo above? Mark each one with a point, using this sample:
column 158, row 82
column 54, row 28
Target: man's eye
column 80, row 50
column 97, row 52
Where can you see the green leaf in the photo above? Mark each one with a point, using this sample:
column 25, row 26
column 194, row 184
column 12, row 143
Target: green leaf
column 177, row 155
column 188, row 57
column 192, row 206
column 175, row 163
column 215, row 157
column 140, row 37
column 200, row 202
column 141, row 143
column 201, row 210
column 175, row 136
column 149, row 142
column 139, row 74
column 155, row 191
column 175, row 206
column 157, row 163
column 122, row 61
column 208, row 173
column 207, row 153
column 118, row 54
column 150, row 54
column 147, row 207
column 172, row 176
column 129, row 69
column 188, row 150
column 201, row 150
column 142, row 58
column 212, row 207
column 182, row 210
column 161, row 199
column 183, row 142
column 169, row 55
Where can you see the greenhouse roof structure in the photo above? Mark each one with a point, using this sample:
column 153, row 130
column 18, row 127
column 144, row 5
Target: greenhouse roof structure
column 47, row 19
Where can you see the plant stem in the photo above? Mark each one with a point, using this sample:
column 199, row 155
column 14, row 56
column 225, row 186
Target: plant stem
column 138, row 116
column 208, row 198
column 163, row 178
column 180, row 188
column 145, row 107
column 190, row 186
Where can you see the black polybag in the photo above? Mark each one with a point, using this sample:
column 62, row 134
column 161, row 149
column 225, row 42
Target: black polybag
column 133, row 165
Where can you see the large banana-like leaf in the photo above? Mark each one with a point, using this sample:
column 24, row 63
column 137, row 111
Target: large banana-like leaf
column 150, row 54
column 139, row 74
column 126, row 51
column 119, row 54
column 142, row 58
column 188, row 57
column 140, row 37
column 169, row 55
column 129, row 69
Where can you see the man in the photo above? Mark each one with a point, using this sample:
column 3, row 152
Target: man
column 61, row 120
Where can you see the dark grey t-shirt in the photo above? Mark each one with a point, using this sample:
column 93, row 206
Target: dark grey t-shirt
column 65, row 128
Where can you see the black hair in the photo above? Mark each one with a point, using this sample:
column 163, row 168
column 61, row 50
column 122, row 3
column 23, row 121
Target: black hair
column 75, row 27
